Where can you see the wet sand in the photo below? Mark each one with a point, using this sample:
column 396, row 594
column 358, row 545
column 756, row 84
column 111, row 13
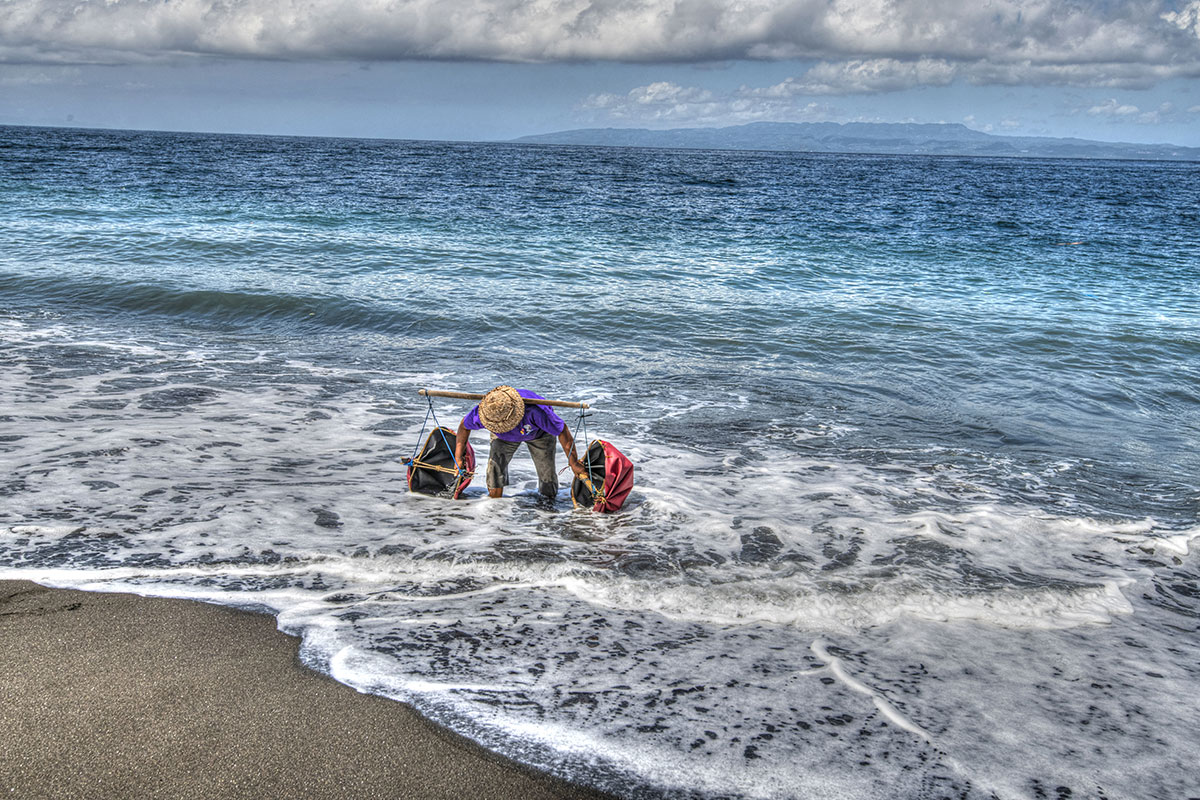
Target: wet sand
column 108, row 695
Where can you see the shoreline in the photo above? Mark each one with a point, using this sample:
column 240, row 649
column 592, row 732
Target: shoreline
column 119, row 695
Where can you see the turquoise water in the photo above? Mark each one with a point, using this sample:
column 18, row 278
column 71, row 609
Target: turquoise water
column 915, row 443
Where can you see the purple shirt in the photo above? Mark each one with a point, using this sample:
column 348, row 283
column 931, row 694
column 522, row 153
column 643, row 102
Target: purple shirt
column 538, row 421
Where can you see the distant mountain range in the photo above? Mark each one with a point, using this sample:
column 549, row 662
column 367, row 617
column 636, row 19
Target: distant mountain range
column 865, row 137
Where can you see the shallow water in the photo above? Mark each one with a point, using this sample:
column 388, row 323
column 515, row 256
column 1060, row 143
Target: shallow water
column 915, row 442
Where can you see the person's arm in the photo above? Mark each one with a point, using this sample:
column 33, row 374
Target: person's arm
column 460, row 444
column 568, row 445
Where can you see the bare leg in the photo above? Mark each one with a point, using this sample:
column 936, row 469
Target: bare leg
column 500, row 453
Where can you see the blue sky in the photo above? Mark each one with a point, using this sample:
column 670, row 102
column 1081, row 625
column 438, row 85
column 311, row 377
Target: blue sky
column 1117, row 70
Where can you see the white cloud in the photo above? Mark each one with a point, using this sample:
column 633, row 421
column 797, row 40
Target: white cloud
column 1127, row 112
column 660, row 102
column 1186, row 18
column 972, row 122
column 860, row 76
column 1194, row 110
column 665, row 104
column 868, row 45
column 664, row 93
column 1157, row 115
column 1111, row 108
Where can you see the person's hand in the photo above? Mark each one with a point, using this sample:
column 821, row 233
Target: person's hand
column 577, row 467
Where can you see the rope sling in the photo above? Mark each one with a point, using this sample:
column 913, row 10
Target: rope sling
column 597, row 496
column 459, row 472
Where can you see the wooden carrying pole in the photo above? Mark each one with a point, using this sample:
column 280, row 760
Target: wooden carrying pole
column 528, row 400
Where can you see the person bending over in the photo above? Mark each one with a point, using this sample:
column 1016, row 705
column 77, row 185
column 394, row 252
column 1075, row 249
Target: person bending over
column 504, row 413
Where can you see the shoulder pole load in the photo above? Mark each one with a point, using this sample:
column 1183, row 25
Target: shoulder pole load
column 529, row 401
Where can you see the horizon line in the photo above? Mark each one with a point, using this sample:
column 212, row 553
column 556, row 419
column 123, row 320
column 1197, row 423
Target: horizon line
column 519, row 139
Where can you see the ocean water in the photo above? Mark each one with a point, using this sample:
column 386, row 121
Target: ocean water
column 917, row 493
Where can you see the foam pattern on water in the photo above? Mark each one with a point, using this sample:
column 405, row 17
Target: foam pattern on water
column 759, row 620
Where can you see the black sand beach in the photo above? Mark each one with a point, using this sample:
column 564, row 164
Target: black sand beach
column 110, row 695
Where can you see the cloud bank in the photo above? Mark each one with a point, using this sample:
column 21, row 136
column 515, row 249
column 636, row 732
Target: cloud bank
column 804, row 98
column 866, row 45
column 666, row 103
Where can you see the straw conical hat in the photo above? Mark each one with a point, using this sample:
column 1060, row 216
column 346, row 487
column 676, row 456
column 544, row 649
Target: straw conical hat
column 501, row 409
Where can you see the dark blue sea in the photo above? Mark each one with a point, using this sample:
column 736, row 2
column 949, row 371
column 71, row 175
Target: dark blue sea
column 917, row 484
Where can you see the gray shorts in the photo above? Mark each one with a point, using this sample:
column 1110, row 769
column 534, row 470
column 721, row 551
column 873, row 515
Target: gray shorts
column 542, row 451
